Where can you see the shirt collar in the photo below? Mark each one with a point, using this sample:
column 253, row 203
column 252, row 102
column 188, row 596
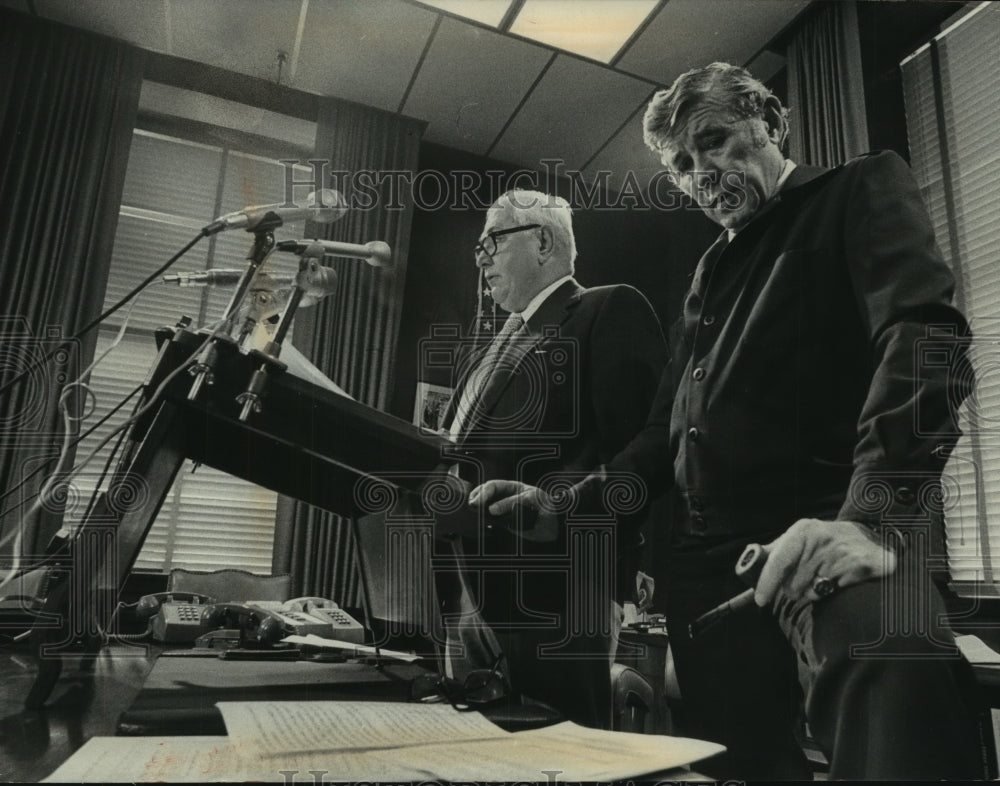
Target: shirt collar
column 786, row 170
column 538, row 299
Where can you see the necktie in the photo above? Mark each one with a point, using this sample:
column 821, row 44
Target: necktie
column 487, row 367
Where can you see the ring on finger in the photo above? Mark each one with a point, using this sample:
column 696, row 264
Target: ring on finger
column 823, row 586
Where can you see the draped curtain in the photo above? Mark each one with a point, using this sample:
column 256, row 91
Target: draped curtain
column 826, row 93
column 68, row 103
column 352, row 335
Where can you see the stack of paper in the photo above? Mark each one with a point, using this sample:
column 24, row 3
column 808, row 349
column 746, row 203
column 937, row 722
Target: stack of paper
column 293, row 742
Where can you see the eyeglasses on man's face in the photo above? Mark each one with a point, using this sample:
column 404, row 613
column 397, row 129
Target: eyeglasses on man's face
column 488, row 244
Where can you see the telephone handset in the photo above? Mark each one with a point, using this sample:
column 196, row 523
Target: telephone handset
column 259, row 627
column 309, row 602
column 174, row 617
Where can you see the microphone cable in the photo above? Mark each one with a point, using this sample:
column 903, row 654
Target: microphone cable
column 16, row 569
column 107, row 313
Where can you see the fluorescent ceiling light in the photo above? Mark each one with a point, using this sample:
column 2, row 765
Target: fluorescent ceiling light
column 593, row 28
column 489, row 12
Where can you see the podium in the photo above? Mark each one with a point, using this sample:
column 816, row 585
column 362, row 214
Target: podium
column 307, row 442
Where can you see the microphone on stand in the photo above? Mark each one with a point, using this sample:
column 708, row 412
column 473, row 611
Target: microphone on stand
column 222, row 277
column 316, row 282
column 323, row 206
column 375, row 252
column 204, row 278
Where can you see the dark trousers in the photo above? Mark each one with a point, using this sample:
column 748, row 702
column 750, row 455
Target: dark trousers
column 556, row 637
column 886, row 696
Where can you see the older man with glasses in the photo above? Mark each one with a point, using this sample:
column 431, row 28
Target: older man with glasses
column 565, row 384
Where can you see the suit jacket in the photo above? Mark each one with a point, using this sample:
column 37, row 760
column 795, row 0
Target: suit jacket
column 570, row 394
column 816, row 367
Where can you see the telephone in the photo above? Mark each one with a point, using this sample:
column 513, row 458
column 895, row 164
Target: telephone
column 174, row 617
column 318, row 616
column 182, row 617
column 343, row 626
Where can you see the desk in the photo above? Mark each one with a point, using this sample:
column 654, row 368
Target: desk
column 180, row 693
column 95, row 691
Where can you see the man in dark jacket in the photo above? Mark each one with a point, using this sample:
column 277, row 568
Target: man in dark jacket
column 564, row 386
column 799, row 413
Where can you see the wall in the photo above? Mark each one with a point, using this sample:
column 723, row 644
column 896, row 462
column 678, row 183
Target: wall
column 651, row 249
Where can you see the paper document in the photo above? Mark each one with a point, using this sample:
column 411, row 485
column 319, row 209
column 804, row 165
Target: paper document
column 312, row 640
column 300, row 366
column 976, row 650
column 566, row 752
column 393, row 741
column 163, row 759
column 275, row 728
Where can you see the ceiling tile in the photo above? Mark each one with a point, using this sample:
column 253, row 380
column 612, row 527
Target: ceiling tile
column 732, row 31
column 571, row 113
column 239, row 35
column 141, row 22
column 625, row 153
column 596, row 29
column 458, row 91
column 489, row 12
column 362, row 50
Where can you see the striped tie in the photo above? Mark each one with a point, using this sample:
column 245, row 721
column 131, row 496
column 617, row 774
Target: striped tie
column 481, row 376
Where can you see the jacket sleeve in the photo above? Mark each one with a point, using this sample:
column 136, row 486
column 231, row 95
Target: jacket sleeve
column 639, row 468
column 627, row 357
column 917, row 341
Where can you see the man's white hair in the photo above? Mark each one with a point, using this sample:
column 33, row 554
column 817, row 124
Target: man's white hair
column 547, row 210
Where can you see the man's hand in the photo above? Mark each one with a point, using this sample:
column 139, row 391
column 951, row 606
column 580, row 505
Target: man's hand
column 843, row 552
column 506, row 496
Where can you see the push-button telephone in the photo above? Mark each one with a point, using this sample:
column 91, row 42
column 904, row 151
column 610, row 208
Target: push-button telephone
column 182, row 617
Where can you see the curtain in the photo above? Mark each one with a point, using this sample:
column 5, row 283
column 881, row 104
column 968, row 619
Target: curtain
column 826, row 92
column 352, row 335
column 68, row 103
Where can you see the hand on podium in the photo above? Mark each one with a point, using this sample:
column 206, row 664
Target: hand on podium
column 521, row 503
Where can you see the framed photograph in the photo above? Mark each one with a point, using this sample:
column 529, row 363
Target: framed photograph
column 430, row 404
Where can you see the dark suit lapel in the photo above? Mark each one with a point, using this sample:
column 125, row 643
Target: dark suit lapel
column 553, row 311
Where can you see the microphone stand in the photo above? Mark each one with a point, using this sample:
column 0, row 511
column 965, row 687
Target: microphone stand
column 263, row 244
column 268, row 357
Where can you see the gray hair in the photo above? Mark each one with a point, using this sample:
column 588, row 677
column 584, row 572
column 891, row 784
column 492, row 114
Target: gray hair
column 547, row 210
column 745, row 95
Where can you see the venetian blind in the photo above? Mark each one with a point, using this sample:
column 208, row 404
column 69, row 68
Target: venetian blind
column 952, row 96
column 174, row 187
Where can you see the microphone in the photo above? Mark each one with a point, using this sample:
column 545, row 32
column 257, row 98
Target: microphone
column 221, row 277
column 204, row 278
column 323, row 206
column 316, row 281
column 375, row 252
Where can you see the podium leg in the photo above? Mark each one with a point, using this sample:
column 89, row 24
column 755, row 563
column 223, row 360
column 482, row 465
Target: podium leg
column 90, row 564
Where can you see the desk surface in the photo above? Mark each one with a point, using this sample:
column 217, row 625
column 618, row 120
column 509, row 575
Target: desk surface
column 94, row 692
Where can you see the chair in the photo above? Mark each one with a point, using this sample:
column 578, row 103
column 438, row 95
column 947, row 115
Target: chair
column 632, row 697
column 230, row 585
